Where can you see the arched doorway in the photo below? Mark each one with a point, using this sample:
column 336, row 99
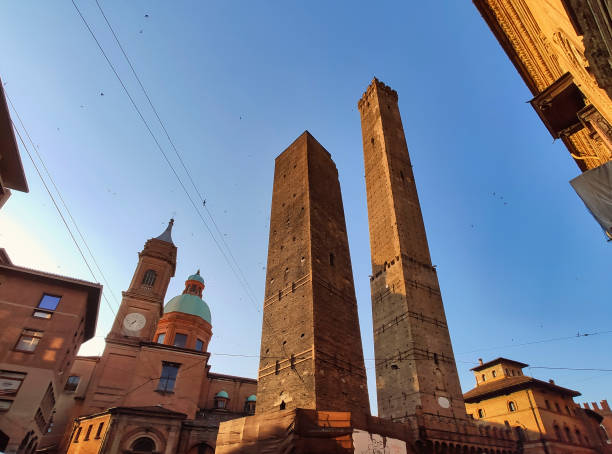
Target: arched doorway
column 143, row 445
column 202, row 448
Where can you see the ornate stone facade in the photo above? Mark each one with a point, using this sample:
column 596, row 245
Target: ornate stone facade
column 541, row 39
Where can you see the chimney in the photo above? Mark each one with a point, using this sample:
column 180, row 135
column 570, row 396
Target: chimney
column 480, row 363
column 605, row 406
column 551, row 381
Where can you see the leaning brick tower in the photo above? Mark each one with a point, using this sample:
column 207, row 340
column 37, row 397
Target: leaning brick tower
column 311, row 352
column 416, row 373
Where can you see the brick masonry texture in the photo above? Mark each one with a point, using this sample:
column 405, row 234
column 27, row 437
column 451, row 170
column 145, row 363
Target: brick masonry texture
column 415, row 366
column 311, row 352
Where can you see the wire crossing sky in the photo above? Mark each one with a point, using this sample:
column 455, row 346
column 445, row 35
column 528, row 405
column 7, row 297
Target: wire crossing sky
column 224, row 88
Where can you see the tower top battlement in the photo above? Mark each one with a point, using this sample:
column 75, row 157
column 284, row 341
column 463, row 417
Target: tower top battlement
column 378, row 86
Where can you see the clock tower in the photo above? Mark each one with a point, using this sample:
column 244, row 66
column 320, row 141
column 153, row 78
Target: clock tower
column 134, row 327
column 142, row 304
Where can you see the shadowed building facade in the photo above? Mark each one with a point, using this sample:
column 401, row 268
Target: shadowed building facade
column 311, row 353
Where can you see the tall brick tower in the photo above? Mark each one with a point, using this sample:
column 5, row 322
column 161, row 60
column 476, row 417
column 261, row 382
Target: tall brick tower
column 416, row 375
column 311, row 352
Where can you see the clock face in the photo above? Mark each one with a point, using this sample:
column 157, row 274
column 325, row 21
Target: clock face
column 443, row 402
column 134, row 321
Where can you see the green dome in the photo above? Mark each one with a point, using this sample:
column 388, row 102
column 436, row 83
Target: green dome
column 196, row 277
column 252, row 398
column 189, row 304
column 222, row 394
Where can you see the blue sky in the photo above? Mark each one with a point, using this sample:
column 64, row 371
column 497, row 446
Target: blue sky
column 518, row 256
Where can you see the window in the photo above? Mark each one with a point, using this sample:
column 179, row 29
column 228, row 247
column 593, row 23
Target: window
column 568, row 434
column 99, row 431
column 567, row 409
column 221, row 399
column 180, row 340
column 507, row 372
column 143, row 444
column 72, row 383
column 88, row 433
column 494, row 373
column 160, row 338
column 40, row 421
column 10, row 382
column 5, row 404
column 28, row 340
column 283, row 405
column 331, row 259
column 49, row 302
column 249, row 407
column 168, row 377
column 77, row 435
column 481, row 413
column 149, row 278
column 578, row 436
column 199, row 345
column 557, row 432
column 547, row 404
column 41, row 314
column 557, row 407
column 484, row 378
column 511, row 406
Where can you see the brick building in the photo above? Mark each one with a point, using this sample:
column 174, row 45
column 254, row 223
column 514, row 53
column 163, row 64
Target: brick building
column 152, row 389
column 44, row 318
column 543, row 414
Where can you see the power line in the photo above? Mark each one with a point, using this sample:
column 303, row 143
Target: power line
column 160, row 148
column 178, row 155
column 235, row 269
column 570, row 368
column 59, row 212
column 62, row 199
column 541, row 341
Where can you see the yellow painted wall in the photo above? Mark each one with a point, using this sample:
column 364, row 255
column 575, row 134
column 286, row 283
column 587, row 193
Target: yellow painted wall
column 93, row 443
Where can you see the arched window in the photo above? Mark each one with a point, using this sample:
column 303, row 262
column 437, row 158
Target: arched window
column 494, row 373
column 149, row 278
column 557, row 432
column 221, row 400
column 203, row 448
column 568, row 434
column 143, row 444
column 511, row 406
column 483, row 377
column 249, row 404
column 481, row 413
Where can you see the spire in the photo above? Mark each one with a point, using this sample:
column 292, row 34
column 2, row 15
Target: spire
column 166, row 234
